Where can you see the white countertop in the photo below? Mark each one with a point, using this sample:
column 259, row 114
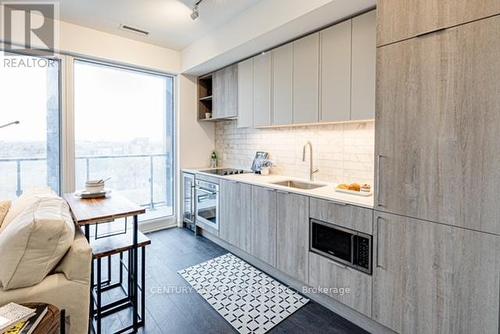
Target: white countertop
column 327, row 192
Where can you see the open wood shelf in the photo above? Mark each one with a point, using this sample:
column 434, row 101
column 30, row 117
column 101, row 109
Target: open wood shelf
column 204, row 96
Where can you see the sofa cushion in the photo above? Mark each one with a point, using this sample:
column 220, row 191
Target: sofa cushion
column 27, row 199
column 34, row 240
column 4, row 208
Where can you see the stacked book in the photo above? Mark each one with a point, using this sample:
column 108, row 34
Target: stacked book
column 18, row 319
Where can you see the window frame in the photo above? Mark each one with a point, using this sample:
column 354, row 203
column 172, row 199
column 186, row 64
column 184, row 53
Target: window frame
column 68, row 166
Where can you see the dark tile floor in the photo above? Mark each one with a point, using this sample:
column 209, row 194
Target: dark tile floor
column 172, row 307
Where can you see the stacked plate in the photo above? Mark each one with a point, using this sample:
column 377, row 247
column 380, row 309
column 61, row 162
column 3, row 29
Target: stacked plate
column 93, row 189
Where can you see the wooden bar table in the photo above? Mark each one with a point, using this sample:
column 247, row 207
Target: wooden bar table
column 87, row 212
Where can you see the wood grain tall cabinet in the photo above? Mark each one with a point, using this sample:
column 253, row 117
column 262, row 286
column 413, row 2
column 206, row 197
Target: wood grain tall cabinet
column 437, row 224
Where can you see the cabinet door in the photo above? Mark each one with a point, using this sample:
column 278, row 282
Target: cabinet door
column 225, row 92
column 282, row 84
column 348, row 216
column 245, row 94
column 218, row 96
column 235, row 213
column 231, row 91
column 437, row 129
column 363, row 66
column 293, row 235
column 333, row 277
column 398, row 20
column 263, row 226
column 306, row 79
column 433, row 278
column 336, row 72
column 262, row 70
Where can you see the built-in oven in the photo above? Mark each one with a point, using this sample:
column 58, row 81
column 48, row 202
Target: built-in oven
column 207, row 204
column 343, row 245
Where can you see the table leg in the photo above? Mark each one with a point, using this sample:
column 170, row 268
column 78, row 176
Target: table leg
column 135, row 273
column 143, row 286
column 91, row 304
column 87, row 232
column 98, row 293
column 62, row 329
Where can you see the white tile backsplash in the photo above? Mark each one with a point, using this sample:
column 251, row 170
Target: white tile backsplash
column 342, row 152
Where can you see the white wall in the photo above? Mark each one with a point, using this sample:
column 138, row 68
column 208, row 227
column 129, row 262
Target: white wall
column 196, row 139
column 98, row 44
column 83, row 41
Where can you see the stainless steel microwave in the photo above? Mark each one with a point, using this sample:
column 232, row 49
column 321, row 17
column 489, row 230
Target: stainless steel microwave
column 343, row 245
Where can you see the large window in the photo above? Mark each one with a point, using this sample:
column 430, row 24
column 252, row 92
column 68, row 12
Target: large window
column 124, row 131
column 29, row 151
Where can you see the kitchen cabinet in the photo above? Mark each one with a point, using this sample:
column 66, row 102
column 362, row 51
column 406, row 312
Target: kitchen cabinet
column 336, row 72
column 225, row 93
column 344, row 215
column 263, row 224
column 262, row 71
column 399, row 20
column 235, row 200
column 438, row 153
column 433, row 278
column 336, row 279
column 364, row 36
column 306, row 79
column 245, row 94
column 282, row 84
column 293, row 235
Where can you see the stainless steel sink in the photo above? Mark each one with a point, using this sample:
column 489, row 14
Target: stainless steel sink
column 299, row 184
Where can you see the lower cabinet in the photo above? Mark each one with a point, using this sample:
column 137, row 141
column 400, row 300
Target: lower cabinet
column 235, row 204
column 433, row 278
column 293, row 235
column 263, row 225
column 349, row 286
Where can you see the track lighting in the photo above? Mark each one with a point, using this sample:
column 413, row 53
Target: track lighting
column 195, row 14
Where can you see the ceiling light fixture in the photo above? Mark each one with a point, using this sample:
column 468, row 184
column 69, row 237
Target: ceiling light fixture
column 195, row 14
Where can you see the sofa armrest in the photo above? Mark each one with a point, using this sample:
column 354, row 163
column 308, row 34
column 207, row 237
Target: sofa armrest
column 76, row 264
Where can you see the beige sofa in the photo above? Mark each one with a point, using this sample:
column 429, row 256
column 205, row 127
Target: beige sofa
column 67, row 286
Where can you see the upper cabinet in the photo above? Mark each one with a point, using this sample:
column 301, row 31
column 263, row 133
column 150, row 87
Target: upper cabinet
column 225, row 93
column 282, row 85
column 399, row 20
column 364, row 61
column 336, row 72
column 327, row 76
column 306, row 79
column 438, row 102
column 245, row 94
column 262, row 70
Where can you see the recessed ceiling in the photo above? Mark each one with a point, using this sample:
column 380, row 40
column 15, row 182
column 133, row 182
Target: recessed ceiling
column 168, row 21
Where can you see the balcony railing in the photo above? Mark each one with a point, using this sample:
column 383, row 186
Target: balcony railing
column 152, row 159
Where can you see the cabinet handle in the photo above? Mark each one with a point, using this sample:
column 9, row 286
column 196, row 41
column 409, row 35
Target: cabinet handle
column 431, row 32
column 379, row 241
column 338, row 264
column 379, row 192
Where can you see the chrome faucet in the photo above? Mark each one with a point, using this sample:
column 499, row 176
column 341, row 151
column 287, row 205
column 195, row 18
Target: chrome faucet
column 312, row 171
